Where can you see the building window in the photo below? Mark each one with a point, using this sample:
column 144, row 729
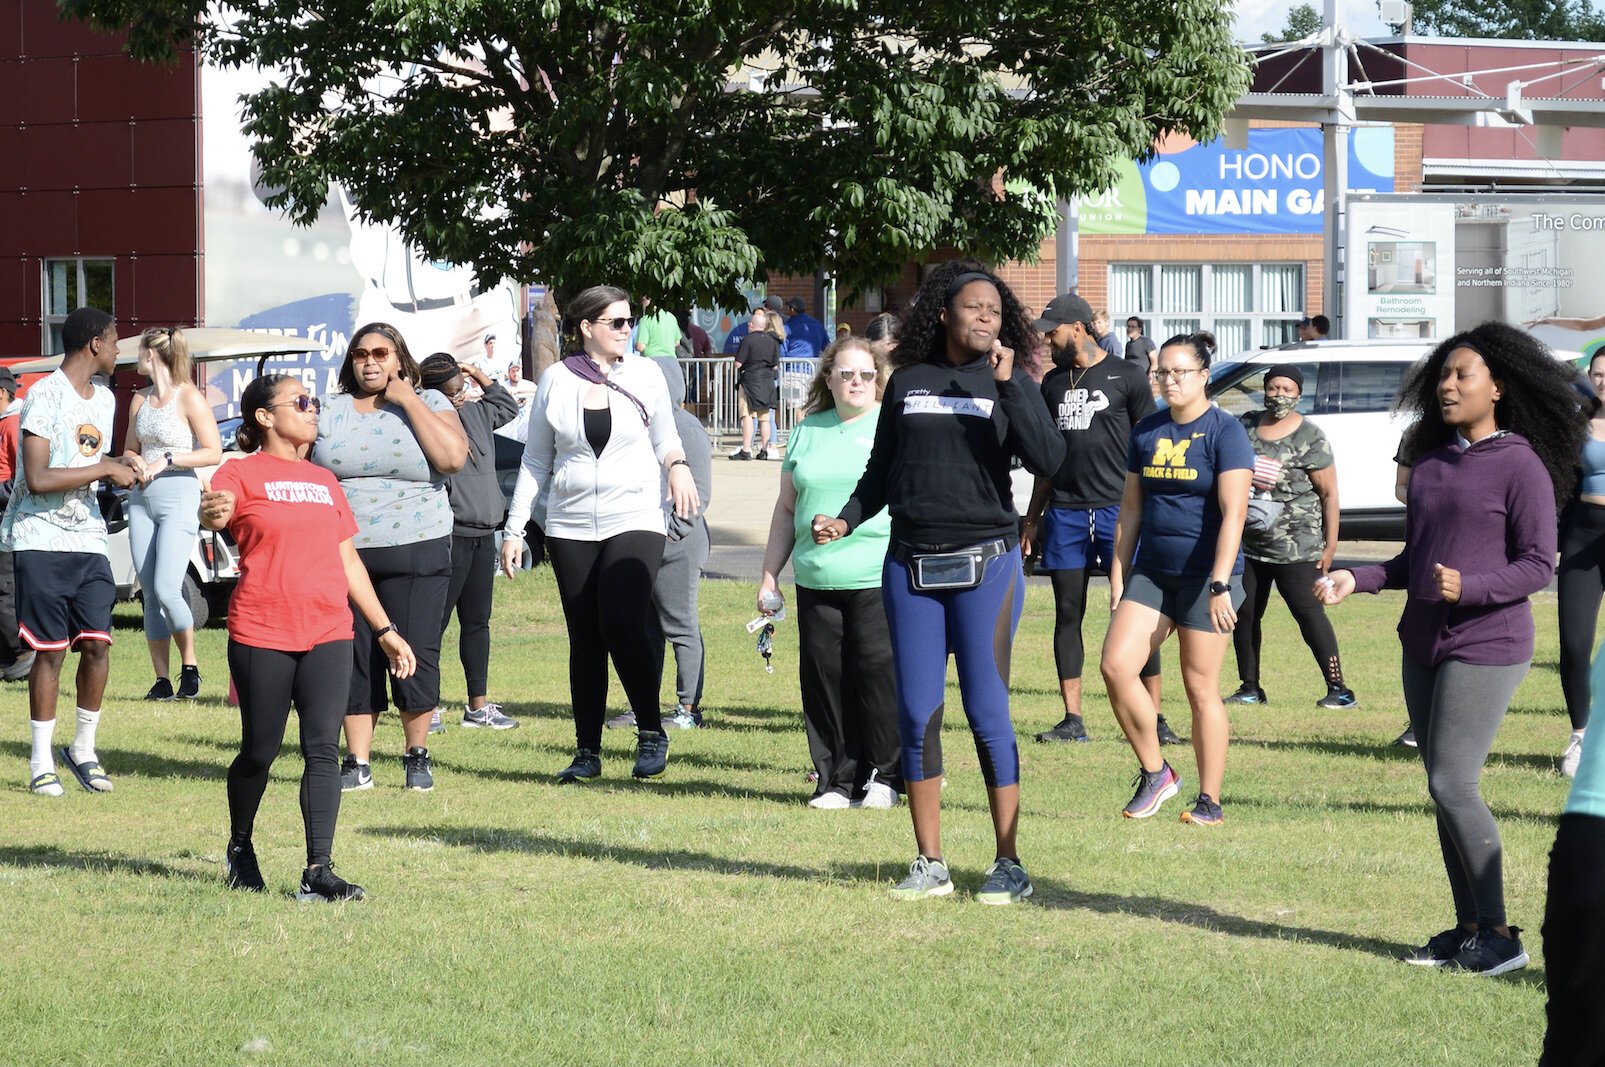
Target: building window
column 1245, row 305
column 70, row 284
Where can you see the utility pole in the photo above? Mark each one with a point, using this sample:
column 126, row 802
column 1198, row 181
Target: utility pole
column 1335, row 164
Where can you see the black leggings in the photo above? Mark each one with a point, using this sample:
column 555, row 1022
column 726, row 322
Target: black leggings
column 1574, row 944
column 1297, row 584
column 1069, row 610
column 473, row 580
column 606, row 589
column 268, row 680
column 1580, row 581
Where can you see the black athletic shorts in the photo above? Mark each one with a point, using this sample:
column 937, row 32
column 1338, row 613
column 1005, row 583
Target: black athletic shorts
column 63, row 598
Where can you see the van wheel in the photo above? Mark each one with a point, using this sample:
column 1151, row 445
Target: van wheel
column 196, row 599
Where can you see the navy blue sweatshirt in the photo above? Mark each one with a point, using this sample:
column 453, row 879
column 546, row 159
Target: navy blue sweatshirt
column 940, row 463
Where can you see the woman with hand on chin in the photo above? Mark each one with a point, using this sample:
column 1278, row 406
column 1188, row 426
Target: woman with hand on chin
column 956, row 412
column 601, row 432
column 295, row 533
column 392, row 445
column 1187, row 479
column 1493, row 447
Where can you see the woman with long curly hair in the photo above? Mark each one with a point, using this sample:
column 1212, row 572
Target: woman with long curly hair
column 956, row 412
column 1493, row 448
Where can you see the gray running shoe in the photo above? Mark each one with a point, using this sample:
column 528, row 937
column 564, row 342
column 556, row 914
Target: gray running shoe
column 435, row 725
column 1486, row 953
column 684, row 717
column 587, row 764
column 420, row 771
column 354, row 775
column 488, row 717
column 621, row 722
column 1006, row 883
column 926, row 878
column 1247, row 694
column 1070, row 728
column 651, row 754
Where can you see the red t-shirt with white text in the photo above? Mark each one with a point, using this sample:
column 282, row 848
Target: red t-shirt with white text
column 289, row 519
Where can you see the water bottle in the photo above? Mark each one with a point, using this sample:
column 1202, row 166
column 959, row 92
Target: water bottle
column 771, row 602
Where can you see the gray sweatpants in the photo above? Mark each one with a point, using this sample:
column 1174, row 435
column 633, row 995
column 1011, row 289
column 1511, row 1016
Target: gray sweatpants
column 1455, row 710
column 674, row 596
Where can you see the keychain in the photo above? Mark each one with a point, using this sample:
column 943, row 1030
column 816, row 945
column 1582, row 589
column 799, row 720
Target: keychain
column 766, row 646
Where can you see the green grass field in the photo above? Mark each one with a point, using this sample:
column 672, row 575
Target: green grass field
column 711, row 917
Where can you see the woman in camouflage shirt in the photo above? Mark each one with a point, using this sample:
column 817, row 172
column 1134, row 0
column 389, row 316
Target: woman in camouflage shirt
column 1293, row 468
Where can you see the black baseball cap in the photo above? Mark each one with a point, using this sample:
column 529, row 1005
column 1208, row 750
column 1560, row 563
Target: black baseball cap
column 1063, row 310
column 796, row 304
column 8, row 381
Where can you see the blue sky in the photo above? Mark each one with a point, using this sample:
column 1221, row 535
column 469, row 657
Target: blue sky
column 1258, row 17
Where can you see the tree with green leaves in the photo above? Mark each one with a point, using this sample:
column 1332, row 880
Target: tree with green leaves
column 1302, row 21
column 1522, row 20
column 675, row 147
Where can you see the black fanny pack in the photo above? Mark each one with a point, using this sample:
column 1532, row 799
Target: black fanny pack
column 959, row 568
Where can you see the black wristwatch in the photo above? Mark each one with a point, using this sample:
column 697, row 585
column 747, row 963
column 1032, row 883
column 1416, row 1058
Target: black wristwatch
column 1217, row 588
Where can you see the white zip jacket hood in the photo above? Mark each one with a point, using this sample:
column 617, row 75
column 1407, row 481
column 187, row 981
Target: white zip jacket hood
column 589, row 497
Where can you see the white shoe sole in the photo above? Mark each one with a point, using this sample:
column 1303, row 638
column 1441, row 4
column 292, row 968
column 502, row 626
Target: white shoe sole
column 1164, row 794
column 1509, row 965
column 940, row 891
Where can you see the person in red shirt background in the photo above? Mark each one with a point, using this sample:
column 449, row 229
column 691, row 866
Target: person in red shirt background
column 294, row 528
column 15, row 660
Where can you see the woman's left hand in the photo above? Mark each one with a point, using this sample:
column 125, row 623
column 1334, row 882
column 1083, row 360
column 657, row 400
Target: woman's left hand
column 1002, row 362
column 399, row 653
column 1221, row 613
column 683, row 491
column 1448, row 580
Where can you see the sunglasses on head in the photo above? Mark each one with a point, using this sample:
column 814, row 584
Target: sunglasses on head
column 380, row 352
column 847, row 375
column 301, row 403
column 623, row 322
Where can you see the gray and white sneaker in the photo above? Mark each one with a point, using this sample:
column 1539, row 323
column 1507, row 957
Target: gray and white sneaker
column 435, row 725
column 926, row 878
column 1573, row 755
column 420, row 770
column 1006, row 883
column 488, row 717
column 683, row 717
column 354, row 775
column 621, row 722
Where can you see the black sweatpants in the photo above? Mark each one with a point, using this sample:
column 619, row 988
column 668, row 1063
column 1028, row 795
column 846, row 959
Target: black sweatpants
column 849, row 690
column 1069, row 612
column 473, row 580
column 268, row 681
column 1574, row 945
column 606, row 590
column 1579, row 583
column 1296, row 582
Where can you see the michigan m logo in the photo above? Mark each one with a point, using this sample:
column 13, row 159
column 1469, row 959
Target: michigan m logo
column 1170, row 453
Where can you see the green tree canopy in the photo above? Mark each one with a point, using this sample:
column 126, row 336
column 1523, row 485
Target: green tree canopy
column 1525, row 20
column 1302, row 20
column 579, row 141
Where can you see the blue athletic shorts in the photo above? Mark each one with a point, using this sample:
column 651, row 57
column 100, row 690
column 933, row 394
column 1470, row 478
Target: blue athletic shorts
column 1183, row 599
column 63, row 598
column 1074, row 539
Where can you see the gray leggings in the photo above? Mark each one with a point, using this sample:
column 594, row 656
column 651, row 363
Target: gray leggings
column 1455, row 710
column 163, row 522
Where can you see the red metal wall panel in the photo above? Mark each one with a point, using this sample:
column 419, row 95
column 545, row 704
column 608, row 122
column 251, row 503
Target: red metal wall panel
column 67, row 156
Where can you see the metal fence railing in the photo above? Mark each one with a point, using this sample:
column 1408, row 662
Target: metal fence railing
column 710, row 395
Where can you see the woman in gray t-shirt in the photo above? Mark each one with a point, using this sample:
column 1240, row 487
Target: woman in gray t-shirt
column 392, row 446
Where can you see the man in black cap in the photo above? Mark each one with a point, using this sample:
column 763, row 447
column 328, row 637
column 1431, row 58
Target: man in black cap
column 1095, row 401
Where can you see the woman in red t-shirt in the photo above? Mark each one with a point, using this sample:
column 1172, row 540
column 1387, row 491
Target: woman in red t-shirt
column 290, row 622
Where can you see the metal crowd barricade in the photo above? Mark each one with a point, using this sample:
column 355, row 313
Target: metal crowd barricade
column 710, row 395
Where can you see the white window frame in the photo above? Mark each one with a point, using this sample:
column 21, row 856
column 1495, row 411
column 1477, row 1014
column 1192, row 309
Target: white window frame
column 1206, row 315
column 51, row 321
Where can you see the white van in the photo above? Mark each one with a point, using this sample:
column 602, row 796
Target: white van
column 1349, row 389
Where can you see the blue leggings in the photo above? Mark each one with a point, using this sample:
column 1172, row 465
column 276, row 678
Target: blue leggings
column 977, row 626
column 163, row 522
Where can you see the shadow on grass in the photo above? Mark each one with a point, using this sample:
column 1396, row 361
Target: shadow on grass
column 1371, row 807
column 129, row 761
column 49, row 856
column 1393, row 753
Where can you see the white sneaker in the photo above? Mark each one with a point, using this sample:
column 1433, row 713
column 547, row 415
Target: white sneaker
column 877, row 795
column 830, row 801
column 1573, row 754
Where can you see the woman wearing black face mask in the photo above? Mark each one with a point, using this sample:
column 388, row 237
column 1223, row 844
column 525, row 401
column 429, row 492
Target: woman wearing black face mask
column 1293, row 477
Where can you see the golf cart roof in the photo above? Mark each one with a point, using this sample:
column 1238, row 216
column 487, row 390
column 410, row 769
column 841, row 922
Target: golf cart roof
column 206, row 344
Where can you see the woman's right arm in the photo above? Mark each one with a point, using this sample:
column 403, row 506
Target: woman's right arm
column 782, row 537
column 869, row 496
column 1126, row 528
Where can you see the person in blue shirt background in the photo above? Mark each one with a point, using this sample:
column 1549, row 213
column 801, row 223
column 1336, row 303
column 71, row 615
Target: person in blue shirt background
column 805, row 335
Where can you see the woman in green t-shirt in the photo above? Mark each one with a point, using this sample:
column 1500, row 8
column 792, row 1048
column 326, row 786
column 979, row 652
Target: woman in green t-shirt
column 845, row 652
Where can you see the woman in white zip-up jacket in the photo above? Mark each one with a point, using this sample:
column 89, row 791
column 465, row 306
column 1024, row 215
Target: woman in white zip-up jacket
column 600, row 429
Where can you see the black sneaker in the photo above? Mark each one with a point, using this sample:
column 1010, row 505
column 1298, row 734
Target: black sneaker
column 1070, row 728
column 321, row 883
column 762, row 453
column 741, row 454
column 420, row 772
column 354, row 775
column 1247, row 694
column 189, row 682
column 1205, row 812
column 162, row 690
column 1408, row 738
column 239, row 861
column 587, row 764
column 1486, row 953
column 1440, row 948
column 1167, row 736
column 1338, row 696
column 651, row 754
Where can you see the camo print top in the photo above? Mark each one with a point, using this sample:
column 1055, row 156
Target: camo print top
column 1282, row 467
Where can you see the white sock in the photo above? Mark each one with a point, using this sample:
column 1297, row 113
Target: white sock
column 1577, row 735
column 83, row 743
column 41, row 760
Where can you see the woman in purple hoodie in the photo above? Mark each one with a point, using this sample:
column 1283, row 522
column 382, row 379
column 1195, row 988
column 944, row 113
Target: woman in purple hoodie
column 1493, row 447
